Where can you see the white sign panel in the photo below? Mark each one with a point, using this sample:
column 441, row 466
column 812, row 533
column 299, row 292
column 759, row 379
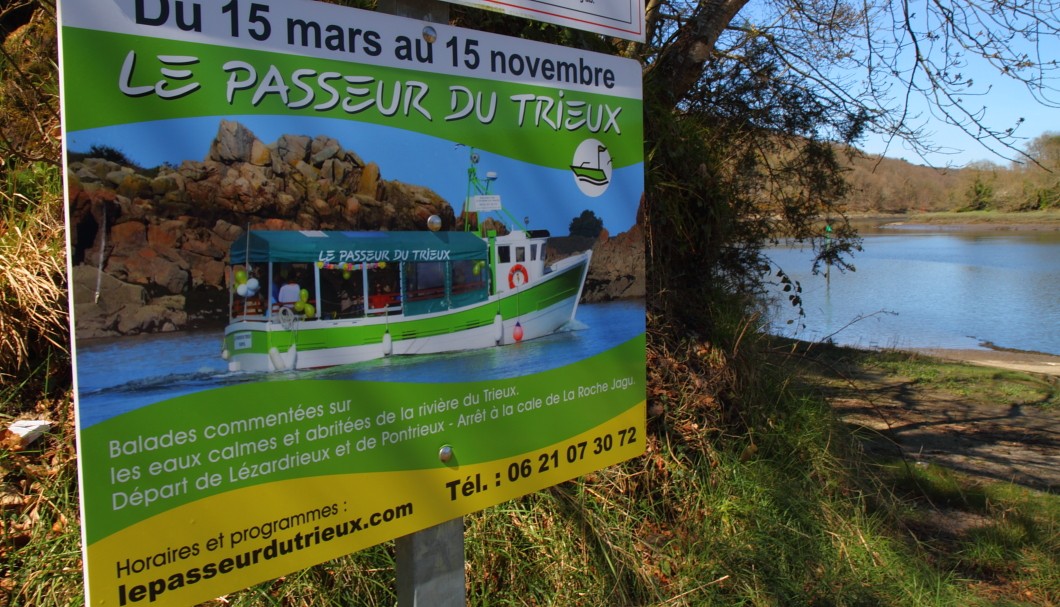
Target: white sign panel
column 619, row 18
column 486, row 202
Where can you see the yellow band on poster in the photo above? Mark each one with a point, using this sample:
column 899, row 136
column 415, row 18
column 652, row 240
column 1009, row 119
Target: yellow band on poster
column 233, row 540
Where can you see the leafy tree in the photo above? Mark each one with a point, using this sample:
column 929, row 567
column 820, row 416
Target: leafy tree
column 1043, row 175
column 1045, row 151
column 748, row 103
column 738, row 164
column 586, row 224
column 980, row 194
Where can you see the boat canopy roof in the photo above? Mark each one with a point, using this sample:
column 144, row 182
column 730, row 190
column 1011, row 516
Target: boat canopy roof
column 355, row 247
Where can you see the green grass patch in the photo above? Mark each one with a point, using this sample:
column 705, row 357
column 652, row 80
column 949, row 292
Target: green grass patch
column 1003, row 536
column 983, row 384
column 40, row 541
column 829, row 365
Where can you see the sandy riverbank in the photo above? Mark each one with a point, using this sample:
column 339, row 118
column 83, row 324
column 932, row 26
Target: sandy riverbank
column 1032, row 362
column 1038, row 221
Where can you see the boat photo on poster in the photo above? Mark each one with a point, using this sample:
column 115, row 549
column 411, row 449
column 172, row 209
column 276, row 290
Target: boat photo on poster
column 311, row 249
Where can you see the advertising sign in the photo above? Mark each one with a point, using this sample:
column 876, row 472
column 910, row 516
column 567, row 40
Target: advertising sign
column 619, row 18
column 294, row 338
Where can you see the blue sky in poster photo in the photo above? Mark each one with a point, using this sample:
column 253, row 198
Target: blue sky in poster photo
column 549, row 198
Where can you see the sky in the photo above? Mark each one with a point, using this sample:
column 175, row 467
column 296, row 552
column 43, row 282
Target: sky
column 1004, row 102
column 549, row 198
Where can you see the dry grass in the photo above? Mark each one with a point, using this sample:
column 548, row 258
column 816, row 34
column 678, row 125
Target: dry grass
column 33, row 310
column 32, row 291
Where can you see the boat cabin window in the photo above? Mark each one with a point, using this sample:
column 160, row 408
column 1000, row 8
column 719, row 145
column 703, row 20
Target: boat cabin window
column 520, row 254
column 469, row 275
column 248, row 291
column 439, row 285
column 341, row 293
column 533, row 252
column 384, row 292
column 425, row 280
column 504, row 254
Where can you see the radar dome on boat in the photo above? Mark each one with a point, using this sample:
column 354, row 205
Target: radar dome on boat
column 434, row 223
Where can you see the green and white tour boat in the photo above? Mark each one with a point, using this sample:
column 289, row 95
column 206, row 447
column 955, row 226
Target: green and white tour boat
column 308, row 299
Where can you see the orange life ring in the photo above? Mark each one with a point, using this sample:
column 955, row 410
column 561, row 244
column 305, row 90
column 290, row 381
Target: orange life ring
column 517, row 269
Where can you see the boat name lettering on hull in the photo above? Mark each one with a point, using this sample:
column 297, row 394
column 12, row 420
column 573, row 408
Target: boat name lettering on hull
column 242, row 341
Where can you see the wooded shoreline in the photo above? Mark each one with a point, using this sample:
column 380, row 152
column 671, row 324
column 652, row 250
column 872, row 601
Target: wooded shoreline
column 1047, row 220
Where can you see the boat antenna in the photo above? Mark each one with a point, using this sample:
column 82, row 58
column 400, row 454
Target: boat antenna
column 480, row 186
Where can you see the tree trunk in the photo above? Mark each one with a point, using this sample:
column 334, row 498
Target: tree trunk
column 679, row 65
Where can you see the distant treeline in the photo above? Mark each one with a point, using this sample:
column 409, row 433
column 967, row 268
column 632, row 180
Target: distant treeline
column 895, row 186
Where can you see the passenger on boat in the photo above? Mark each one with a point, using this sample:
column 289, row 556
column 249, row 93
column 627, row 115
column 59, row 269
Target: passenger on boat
column 288, row 294
column 382, row 299
column 350, row 305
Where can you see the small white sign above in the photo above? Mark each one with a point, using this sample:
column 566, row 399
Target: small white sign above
column 485, row 202
column 619, row 18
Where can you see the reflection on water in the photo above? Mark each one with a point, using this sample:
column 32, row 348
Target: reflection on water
column 946, row 289
column 122, row 374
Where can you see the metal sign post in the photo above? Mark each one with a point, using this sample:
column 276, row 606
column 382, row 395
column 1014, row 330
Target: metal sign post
column 429, row 564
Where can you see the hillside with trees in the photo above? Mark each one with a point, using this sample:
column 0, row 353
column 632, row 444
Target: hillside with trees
column 887, row 185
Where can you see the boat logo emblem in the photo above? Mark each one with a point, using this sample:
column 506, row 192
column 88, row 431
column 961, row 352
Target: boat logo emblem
column 592, row 167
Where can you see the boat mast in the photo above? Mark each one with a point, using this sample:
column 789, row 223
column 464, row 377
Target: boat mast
column 477, row 186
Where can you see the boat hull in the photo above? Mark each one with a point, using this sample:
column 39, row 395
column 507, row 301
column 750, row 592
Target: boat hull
column 532, row 311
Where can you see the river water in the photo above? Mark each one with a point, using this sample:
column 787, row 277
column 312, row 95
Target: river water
column 931, row 288
column 125, row 373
